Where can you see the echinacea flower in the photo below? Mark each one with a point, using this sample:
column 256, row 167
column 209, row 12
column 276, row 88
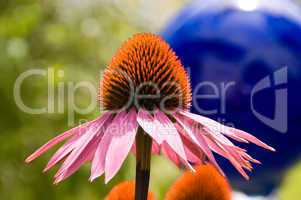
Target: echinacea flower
column 146, row 95
column 205, row 184
column 125, row 191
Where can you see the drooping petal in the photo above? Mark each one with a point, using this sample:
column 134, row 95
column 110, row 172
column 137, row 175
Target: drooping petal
column 218, row 136
column 170, row 134
column 238, row 157
column 251, row 138
column 212, row 125
column 62, row 152
column 217, row 148
column 58, row 139
column 213, row 135
column 85, row 155
column 192, row 158
column 236, row 164
column 155, row 148
column 227, row 149
column 98, row 162
column 236, row 134
column 250, row 158
column 198, row 138
column 223, row 151
column 169, row 153
column 121, row 144
column 147, row 123
column 193, row 152
column 237, row 153
column 85, row 146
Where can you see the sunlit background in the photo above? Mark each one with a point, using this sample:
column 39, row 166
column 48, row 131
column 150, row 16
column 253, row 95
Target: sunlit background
column 78, row 37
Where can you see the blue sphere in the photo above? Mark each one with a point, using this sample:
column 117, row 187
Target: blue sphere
column 246, row 56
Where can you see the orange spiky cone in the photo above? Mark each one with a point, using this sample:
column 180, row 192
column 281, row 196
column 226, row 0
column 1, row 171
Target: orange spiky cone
column 125, row 191
column 204, row 184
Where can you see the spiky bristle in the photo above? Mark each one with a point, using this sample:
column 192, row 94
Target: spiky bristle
column 204, row 184
column 145, row 72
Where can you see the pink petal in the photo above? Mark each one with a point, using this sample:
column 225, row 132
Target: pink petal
column 171, row 154
column 198, row 138
column 85, row 155
column 235, row 163
column 251, row 138
column 201, row 119
column 57, row 139
column 192, row 158
column 170, row 134
column 212, row 125
column 155, row 148
column 194, row 154
column 98, row 162
column 236, row 134
column 146, row 121
column 217, row 148
column 221, row 144
column 240, row 159
column 247, row 156
column 224, row 141
column 228, row 133
column 120, row 145
column 221, row 150
column 133, row 149
column 62, row 152
column 228, row 150
column 85, row 146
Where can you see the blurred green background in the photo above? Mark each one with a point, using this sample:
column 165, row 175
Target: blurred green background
column 78, row 37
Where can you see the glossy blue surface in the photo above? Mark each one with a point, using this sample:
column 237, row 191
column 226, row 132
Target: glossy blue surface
column 222, row 43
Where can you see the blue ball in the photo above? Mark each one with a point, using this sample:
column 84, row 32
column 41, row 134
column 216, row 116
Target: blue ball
column 246, row 55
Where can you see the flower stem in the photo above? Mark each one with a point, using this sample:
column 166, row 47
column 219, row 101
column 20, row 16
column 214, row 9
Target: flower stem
column 143, row 159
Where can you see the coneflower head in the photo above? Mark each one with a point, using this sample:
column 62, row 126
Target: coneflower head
column 125, row 191
column 145, row 73
column 204, row 184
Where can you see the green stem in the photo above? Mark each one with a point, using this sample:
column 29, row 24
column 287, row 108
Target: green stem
column 143, row 159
